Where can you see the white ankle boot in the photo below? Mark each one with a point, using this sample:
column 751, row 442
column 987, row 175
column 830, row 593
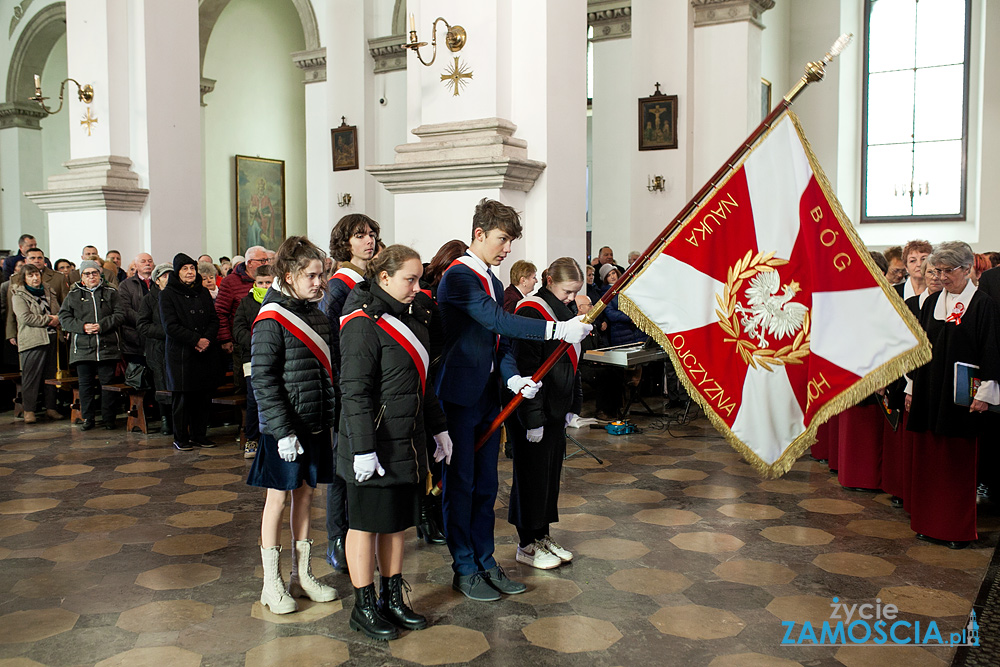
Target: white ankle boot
column 302, row 583
column 274, row 596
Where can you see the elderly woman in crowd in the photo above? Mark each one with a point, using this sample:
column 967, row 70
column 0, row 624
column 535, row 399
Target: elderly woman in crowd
column 191, row 326
column 150, row 328
column 209, row 277
column 92, row 314
column 963, row 326
column 35, row 305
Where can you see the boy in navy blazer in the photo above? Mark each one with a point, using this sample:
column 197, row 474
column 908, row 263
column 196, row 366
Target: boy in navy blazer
column 474, row 363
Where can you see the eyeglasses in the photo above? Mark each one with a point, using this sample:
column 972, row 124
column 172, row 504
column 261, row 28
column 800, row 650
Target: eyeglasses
column 941, row 273
column 266, row 260
column 91, row 272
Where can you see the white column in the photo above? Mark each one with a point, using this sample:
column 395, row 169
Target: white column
column 20, row 171
column 613, row 145
column 727, row 62
column 662, row 47
column 318, row 163
column 548, row 102
column 168, row 130
column 349, row 95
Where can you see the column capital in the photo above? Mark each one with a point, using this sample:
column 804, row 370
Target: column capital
column 106, row 182
column 388, row 53
column 313, row 63
column 713, row 12
column 611, row 19
column 21, row 114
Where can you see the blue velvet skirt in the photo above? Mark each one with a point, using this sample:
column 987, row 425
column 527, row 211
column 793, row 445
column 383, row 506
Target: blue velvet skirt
column 313, row 467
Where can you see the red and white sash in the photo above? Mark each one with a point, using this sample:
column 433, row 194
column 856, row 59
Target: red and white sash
column 539, row 304
column 301, row 330
column 484, row 276
column 348, row 276
column 402, row 335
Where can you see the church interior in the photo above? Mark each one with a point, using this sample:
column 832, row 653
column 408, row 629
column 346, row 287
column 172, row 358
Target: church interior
column 161, row 127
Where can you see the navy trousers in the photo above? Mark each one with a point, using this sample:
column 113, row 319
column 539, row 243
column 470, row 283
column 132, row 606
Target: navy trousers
column 470, row 483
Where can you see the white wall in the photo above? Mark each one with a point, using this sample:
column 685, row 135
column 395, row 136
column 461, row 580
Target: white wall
column 256, row 109
column 55, row 129
column 774, row 60
column 390, row 131
column 614, row 115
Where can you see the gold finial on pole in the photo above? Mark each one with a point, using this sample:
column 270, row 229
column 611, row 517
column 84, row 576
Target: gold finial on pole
column 815, row 71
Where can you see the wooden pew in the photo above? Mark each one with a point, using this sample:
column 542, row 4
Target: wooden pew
column 69, row 384
column 136, row 406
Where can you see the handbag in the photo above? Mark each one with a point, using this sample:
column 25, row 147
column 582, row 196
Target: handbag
column 137, row 376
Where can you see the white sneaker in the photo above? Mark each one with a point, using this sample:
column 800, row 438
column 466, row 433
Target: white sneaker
column 564, row 555
column 536, row 555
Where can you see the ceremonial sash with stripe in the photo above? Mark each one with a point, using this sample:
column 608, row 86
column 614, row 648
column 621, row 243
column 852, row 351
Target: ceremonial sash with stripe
column 484, row 277
column 403, row 335
column 539, row 305
column 348, row 276
column 301, row 330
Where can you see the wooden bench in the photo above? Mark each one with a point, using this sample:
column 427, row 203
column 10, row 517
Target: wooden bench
column 18, row 398
column 136, row 406
column 69, row 384
column 236, row 401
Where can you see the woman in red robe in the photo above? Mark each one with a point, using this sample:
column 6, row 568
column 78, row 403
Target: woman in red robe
column 963, row 326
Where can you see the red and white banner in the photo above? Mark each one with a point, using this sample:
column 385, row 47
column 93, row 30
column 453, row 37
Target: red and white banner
column 404, row 336
column 770, row 306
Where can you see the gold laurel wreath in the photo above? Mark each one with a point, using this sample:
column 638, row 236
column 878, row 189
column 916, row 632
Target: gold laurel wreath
column 752, row 355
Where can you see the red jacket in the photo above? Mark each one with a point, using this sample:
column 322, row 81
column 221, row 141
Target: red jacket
column 233, row 288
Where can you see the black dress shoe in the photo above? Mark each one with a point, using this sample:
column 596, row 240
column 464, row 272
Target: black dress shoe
column 88, row 424
column 427, row 528
column 183, row 445
column 955, row 544
column 896, row 501
column 110, row 425
column 335, row 555
column 203, row 442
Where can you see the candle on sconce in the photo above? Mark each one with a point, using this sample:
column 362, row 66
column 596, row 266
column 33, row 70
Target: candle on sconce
column 413, row 24
column 38, row 82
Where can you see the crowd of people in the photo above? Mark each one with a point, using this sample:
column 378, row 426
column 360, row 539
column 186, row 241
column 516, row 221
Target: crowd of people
column 912, row 439
column 379, row 375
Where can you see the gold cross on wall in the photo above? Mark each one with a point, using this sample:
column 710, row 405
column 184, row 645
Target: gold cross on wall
column 89, row 121
column 456, row 75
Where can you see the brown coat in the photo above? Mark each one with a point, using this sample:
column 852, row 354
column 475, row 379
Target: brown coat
column 50, row 278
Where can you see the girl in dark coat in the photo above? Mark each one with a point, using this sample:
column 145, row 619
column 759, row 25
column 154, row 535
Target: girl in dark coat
column 150, row 329
column 292, row 376
column 243, row 320
column 191, row 326
column 538, row 456
column 388, row 403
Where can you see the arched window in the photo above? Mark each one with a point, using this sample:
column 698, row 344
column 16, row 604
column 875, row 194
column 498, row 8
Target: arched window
column 915, row 111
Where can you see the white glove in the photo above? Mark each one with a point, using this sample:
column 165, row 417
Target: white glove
column 444, row 448
column 289, row 448
column 525, row 386
column 535, row 434
column 365, row 466
column 572, row 331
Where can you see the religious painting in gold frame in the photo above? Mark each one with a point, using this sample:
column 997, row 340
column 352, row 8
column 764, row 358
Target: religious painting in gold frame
column 260, row 203
column 657, row 121
column 345, row 146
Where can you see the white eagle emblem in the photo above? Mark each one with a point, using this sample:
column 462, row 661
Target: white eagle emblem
column 768, row 312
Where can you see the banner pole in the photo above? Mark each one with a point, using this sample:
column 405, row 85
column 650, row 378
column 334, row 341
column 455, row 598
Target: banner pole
column 814, row 71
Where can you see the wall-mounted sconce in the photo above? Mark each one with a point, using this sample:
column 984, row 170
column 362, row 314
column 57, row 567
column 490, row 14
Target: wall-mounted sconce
column 454, row 39
column 85, row 94
column 654, row 183
column 344, row 199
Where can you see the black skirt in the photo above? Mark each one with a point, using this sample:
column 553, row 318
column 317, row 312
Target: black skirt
column 534, row 495
column 382, row 509
column 313, row 467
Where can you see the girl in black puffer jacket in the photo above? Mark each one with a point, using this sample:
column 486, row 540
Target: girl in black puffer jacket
column 387, row 404
column 293, row 384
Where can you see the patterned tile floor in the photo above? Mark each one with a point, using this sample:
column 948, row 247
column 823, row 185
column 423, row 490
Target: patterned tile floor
column 123, row 551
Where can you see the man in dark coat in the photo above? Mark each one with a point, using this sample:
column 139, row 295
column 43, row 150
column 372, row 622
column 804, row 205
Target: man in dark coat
column 191, row 327
column 132, row 290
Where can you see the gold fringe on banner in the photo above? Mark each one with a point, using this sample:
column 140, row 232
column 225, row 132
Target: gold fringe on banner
column 880, row 377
